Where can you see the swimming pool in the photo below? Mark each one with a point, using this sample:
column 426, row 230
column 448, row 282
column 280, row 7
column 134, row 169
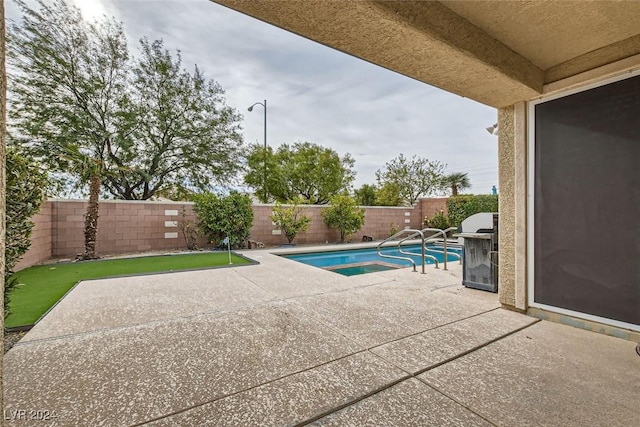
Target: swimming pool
column 360, row 261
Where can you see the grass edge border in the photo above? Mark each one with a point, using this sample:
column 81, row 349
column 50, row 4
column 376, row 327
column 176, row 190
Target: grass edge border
column 24, row 328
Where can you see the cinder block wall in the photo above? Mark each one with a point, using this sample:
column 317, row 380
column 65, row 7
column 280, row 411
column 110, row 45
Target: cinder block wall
column 378, row 223
column 123, row 226
column 40, row 249
column 138, row 226
column 429, row 207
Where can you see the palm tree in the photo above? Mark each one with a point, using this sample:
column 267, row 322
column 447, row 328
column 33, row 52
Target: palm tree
column 457, row 181
column 90, row 170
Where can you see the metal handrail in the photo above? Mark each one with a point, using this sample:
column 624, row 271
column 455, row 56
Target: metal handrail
column 444, row 237
column 424, row 255
column 398, row 234
column 424, row 248
column 454, row 254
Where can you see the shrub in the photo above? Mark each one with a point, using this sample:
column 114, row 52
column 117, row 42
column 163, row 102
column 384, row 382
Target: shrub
column 344, row 215
column 462, row 207
column 189, row 231
column 393, row 229
column 220, row 217
column 26, row 184
column 439, row 220
column 290, row 219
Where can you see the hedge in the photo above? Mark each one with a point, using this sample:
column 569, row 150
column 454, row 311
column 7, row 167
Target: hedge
column 463, row 206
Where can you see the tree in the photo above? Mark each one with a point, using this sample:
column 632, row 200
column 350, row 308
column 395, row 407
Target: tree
column 463, row 206
column 389, row 195
column 184, row 134
column 25, row 191
column 366, row 195
column 303, row 169
column 290, row 219
column 229, row 216
column 413, row 178
column 456, row 181
column 68, row 85
column 141, row 125
column 344, row 215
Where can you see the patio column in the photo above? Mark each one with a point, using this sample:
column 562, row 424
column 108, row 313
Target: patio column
column 512, row 178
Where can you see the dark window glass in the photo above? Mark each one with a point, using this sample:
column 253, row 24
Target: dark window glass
column 587, row 201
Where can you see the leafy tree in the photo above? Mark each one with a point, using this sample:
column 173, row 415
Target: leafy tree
column 366, row 195
column 183, row 133
column 413, row 178
column 344, row 215
column 290, row 219
column 389, row 195
column 275, row 183
column 25, row 191
column 303, row 169
column 456, row 181
column 68, row 82
column 463, row 206
column 86, row 108
column 177, row 193
column 220, row 217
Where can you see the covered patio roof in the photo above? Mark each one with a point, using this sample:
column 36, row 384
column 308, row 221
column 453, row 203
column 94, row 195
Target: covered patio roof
column 495, row 52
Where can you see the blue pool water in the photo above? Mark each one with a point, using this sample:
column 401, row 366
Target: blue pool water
column 363, row 256
column 361, row 269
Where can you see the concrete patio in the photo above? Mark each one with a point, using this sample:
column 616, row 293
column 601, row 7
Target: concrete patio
column 282, row 343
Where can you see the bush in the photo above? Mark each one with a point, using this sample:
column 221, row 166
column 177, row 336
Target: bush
column 26, row 184
column 344, row 215
column 290, row 219
column 189, row 231
column 220, row 217
column 439, row 220
column 462, row 207
column 393, row 229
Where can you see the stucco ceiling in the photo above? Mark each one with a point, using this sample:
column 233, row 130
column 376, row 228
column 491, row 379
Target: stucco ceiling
column 549, row 33
column 496, row 52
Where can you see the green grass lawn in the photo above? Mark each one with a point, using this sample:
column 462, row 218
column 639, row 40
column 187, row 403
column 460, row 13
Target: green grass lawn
column 40, row 287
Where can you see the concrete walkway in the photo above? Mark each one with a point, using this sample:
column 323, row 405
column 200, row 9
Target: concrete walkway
column 282, row 343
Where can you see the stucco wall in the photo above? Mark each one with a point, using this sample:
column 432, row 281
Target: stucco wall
column 506, row 206
column 137, row 226
column 512, row 154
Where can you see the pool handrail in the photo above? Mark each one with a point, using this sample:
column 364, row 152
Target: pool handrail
column 424, row 247
column 398, row 234
column 415, row 233
column 454, row 254
column 445, row 242
column 444, row 238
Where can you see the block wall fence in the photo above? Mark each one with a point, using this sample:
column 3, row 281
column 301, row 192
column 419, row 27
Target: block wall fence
column 139, row 226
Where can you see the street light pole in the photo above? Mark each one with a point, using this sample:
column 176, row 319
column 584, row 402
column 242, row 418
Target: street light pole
column 264, row 176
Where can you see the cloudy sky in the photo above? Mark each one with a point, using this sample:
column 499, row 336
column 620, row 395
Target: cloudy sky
column 313, row 93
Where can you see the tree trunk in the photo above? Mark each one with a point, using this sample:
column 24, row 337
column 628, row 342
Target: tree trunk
column 91, row 219
column 454, row 190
